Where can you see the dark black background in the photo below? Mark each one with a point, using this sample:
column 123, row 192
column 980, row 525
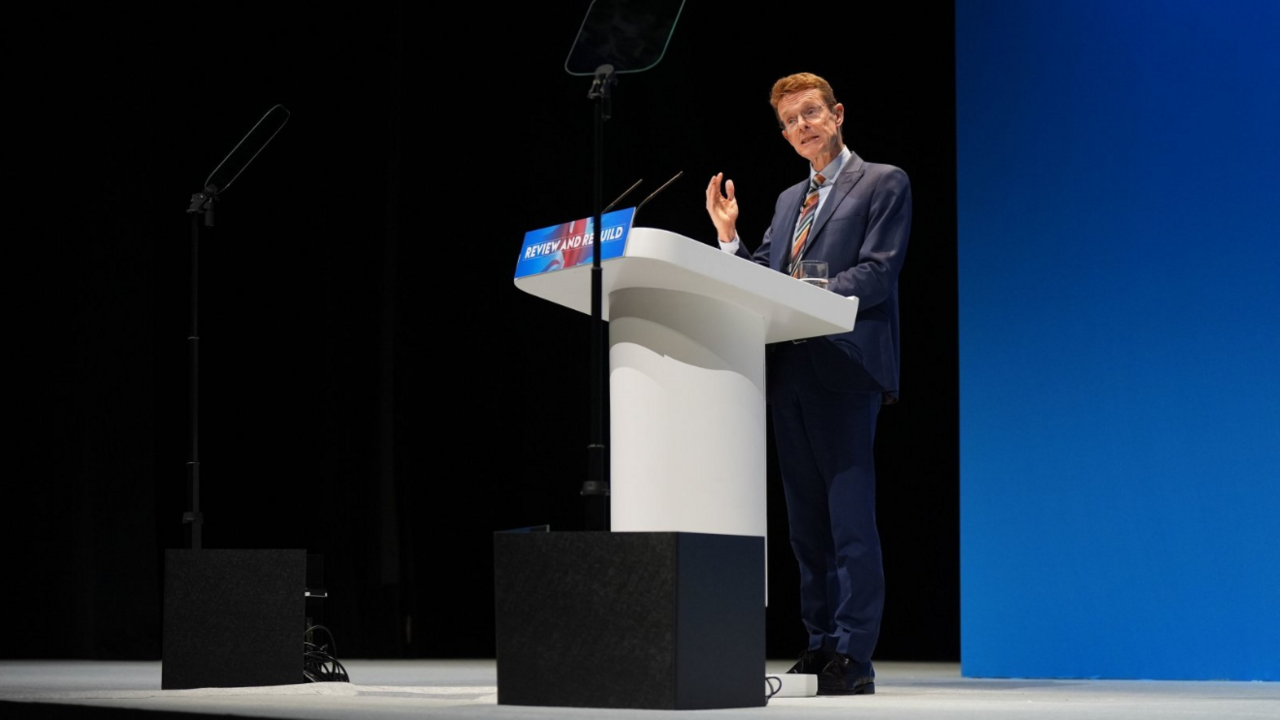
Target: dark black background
column 373, row 386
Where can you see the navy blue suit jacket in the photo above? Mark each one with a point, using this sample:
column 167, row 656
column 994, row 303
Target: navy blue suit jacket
column 861, row 232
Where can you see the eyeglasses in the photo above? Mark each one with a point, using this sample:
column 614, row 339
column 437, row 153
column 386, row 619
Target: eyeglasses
column 811, row 114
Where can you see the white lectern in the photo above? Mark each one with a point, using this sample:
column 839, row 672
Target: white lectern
column 688, row 324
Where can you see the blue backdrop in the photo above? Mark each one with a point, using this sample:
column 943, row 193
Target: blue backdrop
column 1119, row 241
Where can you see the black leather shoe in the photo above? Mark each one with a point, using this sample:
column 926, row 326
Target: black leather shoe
column 843, row 676
column 811, row 662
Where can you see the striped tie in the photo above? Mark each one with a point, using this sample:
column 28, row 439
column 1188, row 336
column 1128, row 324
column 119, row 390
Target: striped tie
column 807, row 213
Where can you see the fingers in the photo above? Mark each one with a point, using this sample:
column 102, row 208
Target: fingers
column 713, row 187
column 723, row 210
column 714, row 198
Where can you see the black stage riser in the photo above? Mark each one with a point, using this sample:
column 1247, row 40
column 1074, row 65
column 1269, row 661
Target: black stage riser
column 233, row 618
column 630, row 620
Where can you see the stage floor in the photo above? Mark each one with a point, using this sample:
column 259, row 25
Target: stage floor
column 466, row 689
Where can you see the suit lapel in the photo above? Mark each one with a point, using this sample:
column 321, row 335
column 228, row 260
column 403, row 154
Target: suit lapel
column 849, row 176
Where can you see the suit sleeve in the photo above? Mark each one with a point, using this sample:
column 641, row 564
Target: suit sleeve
column 761, row 255
column 884, row 245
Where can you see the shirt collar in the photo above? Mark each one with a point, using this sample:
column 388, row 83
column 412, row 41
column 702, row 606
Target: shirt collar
column 833, row 168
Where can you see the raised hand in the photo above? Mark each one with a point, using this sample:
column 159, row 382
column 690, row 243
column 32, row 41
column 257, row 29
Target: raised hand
column 723, row 208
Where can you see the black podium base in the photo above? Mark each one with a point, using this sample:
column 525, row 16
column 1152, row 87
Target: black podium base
column 233, row 618
column 666, row 621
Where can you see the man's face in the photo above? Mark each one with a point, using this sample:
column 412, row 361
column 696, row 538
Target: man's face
column 811, row 127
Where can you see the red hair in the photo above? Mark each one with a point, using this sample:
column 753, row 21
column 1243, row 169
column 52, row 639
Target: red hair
column 800, row 82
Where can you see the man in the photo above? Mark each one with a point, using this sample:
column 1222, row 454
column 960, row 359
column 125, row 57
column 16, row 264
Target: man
column 825, row 393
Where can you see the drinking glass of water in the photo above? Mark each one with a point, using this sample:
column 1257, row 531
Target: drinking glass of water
column 814, row 272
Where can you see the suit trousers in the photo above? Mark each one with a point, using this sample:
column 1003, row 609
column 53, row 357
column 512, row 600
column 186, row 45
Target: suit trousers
column 825, row 435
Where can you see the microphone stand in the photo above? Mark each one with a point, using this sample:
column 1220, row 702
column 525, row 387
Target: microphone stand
column 201, row 205
column 596, row 488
